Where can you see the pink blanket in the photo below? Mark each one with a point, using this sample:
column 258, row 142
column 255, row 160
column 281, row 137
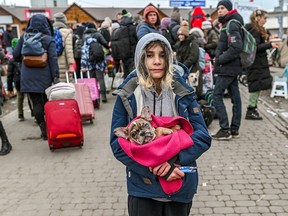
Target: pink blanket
column 163, row 148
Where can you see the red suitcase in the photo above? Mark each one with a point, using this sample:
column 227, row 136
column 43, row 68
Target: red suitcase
column 63, row 123
column 84, row 102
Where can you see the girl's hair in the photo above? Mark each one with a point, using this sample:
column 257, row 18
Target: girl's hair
column 253, row 18
column 145, row 79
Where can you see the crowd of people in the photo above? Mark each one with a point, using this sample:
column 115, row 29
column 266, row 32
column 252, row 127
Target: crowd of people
column 156, row 56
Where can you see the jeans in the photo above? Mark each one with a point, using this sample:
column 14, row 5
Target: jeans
column 20, row 100
column 138, row 206
column 231, row 84
column 99, row 75
column 38, row 101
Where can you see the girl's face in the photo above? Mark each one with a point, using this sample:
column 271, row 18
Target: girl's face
column 181, row 37
column 262, row 19
column 155, row 62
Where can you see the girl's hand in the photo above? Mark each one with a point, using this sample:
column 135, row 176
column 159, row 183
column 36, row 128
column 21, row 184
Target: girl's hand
column 176, row 174
column 160, row 170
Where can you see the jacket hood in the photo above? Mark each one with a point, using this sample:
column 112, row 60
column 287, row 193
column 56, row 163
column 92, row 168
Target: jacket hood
column 198, row 12
column 147, row 39
column 151, row 9
column 39, row 23
column 59, row 25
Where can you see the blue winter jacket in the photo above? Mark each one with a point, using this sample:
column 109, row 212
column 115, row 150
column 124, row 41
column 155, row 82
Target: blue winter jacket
column 140, row 181
column 36, row 80
column 145, row 28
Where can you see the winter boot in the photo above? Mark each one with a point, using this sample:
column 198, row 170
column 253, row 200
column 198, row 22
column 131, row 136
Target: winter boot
column 252, row 114
column 6, row 146
column 42, row 126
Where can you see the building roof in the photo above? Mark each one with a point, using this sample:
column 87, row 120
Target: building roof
column 18, row 11
column 98, row 13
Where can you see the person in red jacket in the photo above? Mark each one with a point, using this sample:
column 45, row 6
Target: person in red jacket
column 197, row 17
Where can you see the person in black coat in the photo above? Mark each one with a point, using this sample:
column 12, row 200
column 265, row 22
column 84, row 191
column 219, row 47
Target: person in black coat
column 258, row 75
column 227, row 67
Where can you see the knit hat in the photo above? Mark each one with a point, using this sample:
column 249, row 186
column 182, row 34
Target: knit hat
column 206, row 25
column 183, row 30
column 91, row 25
column 115, row 26
column 60, row 17
column 14, row 42
column 150, row 9
column 165, row 21
column 126, row 13
column 226, row 3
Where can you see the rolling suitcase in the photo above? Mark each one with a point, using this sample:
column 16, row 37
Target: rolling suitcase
column 84, row 101
column 92, row 83
column 63, row 124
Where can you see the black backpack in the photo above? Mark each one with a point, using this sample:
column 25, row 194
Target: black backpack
column 96, row 52
column 105, row 33
column 120, row 43
column 77, row 47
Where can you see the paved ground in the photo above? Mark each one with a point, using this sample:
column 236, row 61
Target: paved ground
column 242, row 177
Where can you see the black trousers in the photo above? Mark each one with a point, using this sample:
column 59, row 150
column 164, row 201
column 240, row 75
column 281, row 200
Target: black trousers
column 38, row 101
column 142, row 207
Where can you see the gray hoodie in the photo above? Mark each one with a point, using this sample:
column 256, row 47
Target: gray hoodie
column 162, row 104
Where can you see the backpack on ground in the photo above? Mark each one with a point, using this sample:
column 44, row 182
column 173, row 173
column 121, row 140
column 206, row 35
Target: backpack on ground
column 96, row 52
column 249, row 45
column 77, row 47
column 120, row 43
column 59, row 42
column 34, row 55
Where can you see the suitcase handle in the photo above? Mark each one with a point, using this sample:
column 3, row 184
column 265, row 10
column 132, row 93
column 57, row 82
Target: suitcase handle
column 88, row 74
column 67, row 77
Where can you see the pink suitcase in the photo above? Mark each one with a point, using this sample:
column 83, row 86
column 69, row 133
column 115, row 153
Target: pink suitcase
column 84, row 102
column 92, row 83
column 63, row 124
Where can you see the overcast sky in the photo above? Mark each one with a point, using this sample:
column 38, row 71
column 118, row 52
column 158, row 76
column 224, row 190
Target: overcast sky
column 263, row 4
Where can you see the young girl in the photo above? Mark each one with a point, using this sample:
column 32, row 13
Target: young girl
column 258, row 75
column 154, row 83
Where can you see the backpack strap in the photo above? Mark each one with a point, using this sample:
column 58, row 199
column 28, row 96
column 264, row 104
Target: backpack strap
column 227, row 27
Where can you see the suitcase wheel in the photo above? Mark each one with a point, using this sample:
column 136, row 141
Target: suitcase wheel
column 91, row 121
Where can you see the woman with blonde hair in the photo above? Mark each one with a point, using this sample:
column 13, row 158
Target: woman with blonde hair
column 156, row 84
column 258, row 75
